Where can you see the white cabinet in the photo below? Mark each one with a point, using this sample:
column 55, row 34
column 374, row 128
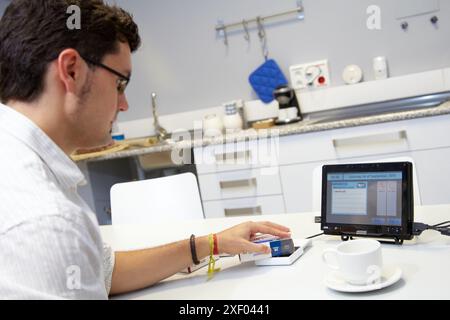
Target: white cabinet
column 240, row 178
column 298, row 189
column 382, row 138
column 420, row 140
column 306, row 147
column 244, row 207
column 238, row 184
column 433, row 173
column 237, row 156
column 297, row 161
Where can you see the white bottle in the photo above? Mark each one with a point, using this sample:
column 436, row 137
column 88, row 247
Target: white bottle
column 380, row 68
column 116, row 134
column 232, row 121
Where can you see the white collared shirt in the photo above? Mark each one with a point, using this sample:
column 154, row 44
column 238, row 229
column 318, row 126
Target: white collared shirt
column 50, row 243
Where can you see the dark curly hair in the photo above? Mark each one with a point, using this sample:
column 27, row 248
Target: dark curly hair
column 34, row 32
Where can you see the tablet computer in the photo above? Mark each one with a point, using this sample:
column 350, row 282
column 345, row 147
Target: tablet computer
column 369, row 200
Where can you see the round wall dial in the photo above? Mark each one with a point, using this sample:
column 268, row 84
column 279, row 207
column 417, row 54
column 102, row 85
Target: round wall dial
column 352, row 74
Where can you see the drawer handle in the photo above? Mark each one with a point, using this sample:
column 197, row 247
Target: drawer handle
column 250, row 211
column 238, row 183
column 376, row 138
column 232, row 157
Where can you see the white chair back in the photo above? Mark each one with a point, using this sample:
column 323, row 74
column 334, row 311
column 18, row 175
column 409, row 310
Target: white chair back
column 155, row 200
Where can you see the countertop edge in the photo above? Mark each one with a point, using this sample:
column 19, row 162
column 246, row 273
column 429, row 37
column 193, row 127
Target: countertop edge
column 292, row 129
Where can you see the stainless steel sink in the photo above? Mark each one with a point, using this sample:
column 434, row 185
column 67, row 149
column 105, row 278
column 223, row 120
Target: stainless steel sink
column 159, row 159
column 156, row 160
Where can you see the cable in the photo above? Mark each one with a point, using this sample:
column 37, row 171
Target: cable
column 443, row 228
column 440, row 224
column 419, row 227
column 316, row 235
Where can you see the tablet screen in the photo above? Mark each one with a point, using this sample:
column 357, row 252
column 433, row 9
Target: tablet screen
column 364, row 198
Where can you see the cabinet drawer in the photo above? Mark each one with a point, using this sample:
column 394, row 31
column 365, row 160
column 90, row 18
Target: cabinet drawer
column 306, row 147
column 429, row 133
column 392, row 137
column 240, row 184
column 433, row 170
column 237, row 156
column 376, row 139
column 344, row 143
column 244, row 207
column 370, row 140
column 301, row 185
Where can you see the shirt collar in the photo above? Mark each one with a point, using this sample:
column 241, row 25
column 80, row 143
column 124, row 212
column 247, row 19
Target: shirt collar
column 22, row 128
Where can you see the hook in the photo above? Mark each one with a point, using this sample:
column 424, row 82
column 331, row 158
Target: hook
column 301, row 12
column 404, row 25
column 262, row 37
column 225, row 35
column 222, row 29
column 261, row 31
column 434, row 19
column 247, row 35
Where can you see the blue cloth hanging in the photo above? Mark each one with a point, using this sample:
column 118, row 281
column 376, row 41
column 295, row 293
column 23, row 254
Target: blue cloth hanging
column 266, row 78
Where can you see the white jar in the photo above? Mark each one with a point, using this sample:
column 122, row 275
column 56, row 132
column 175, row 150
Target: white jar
column 232, row 121
column 212, row 125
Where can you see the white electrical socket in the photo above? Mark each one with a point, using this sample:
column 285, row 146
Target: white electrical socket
column 310, row 75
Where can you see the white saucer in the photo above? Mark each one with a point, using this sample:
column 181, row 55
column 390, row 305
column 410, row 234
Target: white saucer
column 389, row 276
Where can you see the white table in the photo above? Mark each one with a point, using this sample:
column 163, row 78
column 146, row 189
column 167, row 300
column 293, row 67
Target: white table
column 425, row 262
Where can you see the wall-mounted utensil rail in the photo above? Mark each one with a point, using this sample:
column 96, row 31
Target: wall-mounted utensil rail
column 244, row 23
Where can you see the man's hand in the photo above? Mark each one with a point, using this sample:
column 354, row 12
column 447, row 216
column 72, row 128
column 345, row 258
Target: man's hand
column 237, row 239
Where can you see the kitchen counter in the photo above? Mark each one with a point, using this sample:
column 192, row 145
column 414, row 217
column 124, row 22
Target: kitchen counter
column 305, row 126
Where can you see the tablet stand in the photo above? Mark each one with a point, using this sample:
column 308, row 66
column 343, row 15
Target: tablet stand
column 396, row 240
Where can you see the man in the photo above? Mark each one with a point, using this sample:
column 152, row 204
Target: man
column 61, row 90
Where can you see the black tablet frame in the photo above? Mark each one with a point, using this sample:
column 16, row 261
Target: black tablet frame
column 348, row 231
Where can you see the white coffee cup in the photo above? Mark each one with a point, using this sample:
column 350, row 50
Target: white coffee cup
column 358, row 261
column 292, row 112
column 287, row 113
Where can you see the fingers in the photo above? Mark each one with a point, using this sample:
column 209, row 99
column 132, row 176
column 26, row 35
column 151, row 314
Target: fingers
column 259, row 248
column 271, row 228
column 275, row 225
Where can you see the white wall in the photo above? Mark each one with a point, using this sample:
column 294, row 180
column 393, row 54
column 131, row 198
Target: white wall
column 184, row 61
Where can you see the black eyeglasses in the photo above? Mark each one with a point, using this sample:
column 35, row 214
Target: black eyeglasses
column 122, row 82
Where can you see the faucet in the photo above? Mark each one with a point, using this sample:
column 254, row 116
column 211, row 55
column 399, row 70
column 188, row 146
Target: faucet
column 160, row 131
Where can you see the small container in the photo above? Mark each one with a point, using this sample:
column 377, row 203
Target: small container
column 116, row 134
column 232, row 121
column 212, row 125
column 380, row 68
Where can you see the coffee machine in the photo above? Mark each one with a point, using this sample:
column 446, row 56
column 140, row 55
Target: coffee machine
column 289, row 107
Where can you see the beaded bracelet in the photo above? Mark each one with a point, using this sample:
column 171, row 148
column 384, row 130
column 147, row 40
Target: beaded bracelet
column 193, row 250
